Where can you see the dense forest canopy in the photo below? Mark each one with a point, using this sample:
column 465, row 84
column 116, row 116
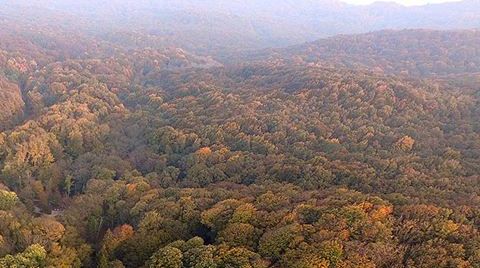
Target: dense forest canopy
column 419, row 53
column 164, row 142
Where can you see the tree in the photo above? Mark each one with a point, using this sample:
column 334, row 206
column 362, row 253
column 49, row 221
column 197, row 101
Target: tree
column 33, row 257
column 405, row 143
column 7, row 199
column 167, row 257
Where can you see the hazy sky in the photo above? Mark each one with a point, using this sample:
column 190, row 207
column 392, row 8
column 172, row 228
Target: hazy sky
column 403, row 2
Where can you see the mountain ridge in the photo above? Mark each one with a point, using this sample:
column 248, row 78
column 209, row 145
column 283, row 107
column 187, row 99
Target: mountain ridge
column 222, row 26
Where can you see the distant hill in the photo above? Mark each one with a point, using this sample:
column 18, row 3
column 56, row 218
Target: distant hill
column 229, row 26
column 407, row 52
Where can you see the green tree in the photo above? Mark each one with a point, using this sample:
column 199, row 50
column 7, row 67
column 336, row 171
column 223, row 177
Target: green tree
column 33, row 257
column 167, row 257
column 7, row 199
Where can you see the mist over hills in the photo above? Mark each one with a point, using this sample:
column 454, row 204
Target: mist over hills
column 226, row 26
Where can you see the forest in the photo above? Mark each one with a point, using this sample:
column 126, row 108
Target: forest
column 350, row 151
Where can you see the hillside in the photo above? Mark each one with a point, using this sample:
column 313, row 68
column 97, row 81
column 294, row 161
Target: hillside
column 225, row 27
column 417, row 53
column 246, row 158
column 120, row 147
column 11, row 103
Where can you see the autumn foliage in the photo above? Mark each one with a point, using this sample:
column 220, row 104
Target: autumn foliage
column 330, row 154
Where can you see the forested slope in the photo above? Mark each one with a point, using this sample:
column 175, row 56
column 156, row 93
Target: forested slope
column 123, row 156
column 418, row 53
column 225, row 27
column 11, row 103
column 110, row 141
